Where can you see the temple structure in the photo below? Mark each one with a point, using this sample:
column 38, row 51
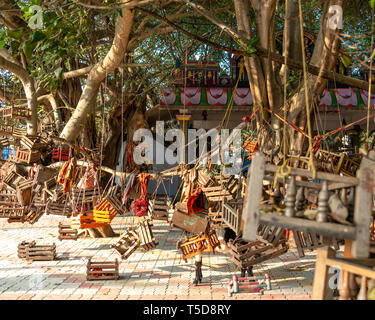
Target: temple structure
column 201, row 94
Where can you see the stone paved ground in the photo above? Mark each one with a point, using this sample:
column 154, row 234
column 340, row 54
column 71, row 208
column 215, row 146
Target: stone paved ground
column 157, row 274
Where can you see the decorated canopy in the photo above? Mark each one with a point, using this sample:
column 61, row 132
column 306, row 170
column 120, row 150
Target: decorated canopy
column 200, row 96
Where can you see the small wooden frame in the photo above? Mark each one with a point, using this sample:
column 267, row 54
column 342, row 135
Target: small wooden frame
column 7, row 197
column 337, row 163
column 254, row 213
column 60, row 154
column 67, row 233
column 13, row 212
column 245, row 254
column 102, row 270
column 19, row 133
column 216, row 191
column 270, row 234
column 81, row 196
column 12, row 179
column 21, row 252
column 216, row 217
column 198, row 245
column 26, row 156
column 127, row 244
column 349, row 269
column 47, row 127
column 107, row 209
column 310, row 241
column 85, row 200
column 84, row 222
column 32, row 251
column 15, row 112
column 33, row 216
column 6, row 130
column 251, row 147
column 31, row 144
column 4, row 142
column 59, row 209
column 347, row 166
column 194, row 223
column 40, row 200
column 231, row 214
column 147, row 240
column 158, row 209
column 327, row 161
column 24, row 191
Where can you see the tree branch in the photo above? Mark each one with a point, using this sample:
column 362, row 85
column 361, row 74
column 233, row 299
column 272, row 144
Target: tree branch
column 261, row 52
column 128, row 5
column 109, row 63
column 29, row 88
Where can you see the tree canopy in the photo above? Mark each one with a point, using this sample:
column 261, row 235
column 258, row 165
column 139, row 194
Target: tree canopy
column 94, row 63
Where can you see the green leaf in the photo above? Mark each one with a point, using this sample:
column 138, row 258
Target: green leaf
column 372, row 4
column 37, row 36
column 16, row 34
column 2, row 44
column 28, row 49
column 58, row 73
column 253, row 42
column 346, row 61
column 120, row 12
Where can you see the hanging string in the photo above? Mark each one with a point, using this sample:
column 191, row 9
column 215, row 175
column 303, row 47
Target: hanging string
column 122, row 122
column 103, row 124
column 231, row 101
column 370, row 75
column 311, row 164
column 284, row 170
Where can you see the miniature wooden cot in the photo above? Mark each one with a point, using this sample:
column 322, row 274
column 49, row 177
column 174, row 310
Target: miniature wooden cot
column 102, row 270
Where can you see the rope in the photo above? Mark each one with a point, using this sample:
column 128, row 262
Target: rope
column 102, row 138
column 286, row 121
column 231, row 101
column 370, row 76
column 284, row 170
column 311, row 164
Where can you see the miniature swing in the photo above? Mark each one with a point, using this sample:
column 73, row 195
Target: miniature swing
column 197, row 245
column 127, row 243
column 84, row 201
column 102, row 270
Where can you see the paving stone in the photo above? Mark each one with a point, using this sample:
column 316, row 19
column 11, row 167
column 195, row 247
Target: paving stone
column 157, row 274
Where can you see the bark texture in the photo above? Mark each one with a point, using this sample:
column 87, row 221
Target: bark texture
column 98, row 73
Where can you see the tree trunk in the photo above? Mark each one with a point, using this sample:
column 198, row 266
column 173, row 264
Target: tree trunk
column 98, row 74
column 102, row 232
column 29, row 88
column 263, row 77
column 137, row 121
column 325, row 57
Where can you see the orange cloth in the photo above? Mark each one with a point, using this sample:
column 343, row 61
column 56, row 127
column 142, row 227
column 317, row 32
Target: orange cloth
column 67, row 174
column 140, row 207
